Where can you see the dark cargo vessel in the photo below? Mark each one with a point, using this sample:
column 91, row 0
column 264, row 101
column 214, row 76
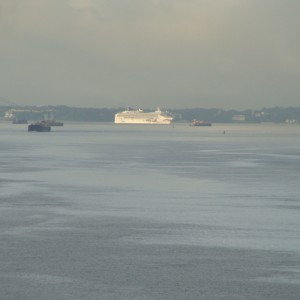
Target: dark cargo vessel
column 40, row 127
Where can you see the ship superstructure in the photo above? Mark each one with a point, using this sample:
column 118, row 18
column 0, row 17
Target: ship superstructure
column 129, row 116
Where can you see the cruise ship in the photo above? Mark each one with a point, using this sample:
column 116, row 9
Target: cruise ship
column 129, row 116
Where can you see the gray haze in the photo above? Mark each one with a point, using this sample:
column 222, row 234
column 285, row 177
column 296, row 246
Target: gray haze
column 145, row 53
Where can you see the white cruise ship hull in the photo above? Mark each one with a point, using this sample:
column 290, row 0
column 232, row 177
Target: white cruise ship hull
column 140, row 117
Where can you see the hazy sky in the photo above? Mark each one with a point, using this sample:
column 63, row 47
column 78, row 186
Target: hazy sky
column 147, row 53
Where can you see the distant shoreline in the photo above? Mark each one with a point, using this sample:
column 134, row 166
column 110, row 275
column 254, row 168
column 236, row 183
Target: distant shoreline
column 289, row 115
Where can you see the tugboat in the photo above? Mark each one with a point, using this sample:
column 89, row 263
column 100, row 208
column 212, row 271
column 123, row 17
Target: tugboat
column 41, row 126
column 200, row 123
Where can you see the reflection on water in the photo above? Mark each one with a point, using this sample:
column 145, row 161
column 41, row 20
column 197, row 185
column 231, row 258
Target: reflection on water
column 98, row 211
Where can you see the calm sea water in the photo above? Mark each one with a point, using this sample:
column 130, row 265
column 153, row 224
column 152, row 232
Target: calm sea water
column 99, row 211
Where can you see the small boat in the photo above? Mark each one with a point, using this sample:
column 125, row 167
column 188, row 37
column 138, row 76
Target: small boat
column 40, row 127
column 200, row 123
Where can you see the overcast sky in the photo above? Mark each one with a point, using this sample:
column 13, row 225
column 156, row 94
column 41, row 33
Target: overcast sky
column 147, row 53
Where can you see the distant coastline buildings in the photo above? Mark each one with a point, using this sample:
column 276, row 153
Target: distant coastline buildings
column 11, row 113
column 239, row 118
